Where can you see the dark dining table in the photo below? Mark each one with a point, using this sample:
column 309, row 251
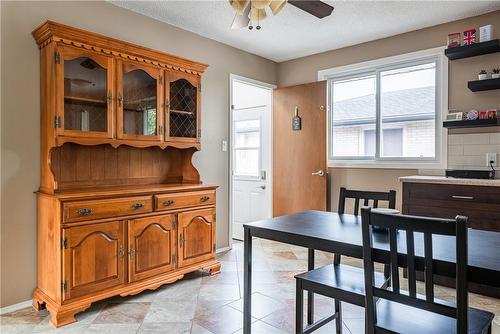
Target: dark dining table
column 341, row 234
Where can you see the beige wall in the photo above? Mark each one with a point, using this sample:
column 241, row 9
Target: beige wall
column 20, row 114
column 306, row 69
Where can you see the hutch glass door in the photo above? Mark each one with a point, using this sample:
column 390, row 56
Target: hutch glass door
column 139, row 103
column 87, row 93
column 183, row 105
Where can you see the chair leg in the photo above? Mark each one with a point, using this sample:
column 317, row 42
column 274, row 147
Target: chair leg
column 336, row 259
column 338, row 321
column 299, row 308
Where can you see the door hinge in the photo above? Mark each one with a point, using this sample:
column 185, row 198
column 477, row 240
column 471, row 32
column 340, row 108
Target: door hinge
column 64, row 286
column 57, row 57
column 57, row 121
column 214, row 247
column 64, row 243
column 181, row 241
column 161, row 79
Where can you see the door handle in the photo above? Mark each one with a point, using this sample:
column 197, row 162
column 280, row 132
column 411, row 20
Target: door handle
column 462, row 197
column 318, row 173
column 262, row 187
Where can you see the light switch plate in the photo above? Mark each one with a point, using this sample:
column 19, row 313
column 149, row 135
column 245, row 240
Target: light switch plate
column 224, row 146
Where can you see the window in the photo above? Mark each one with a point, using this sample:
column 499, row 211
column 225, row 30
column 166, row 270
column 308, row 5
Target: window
column 387, row 112
column 247, row 148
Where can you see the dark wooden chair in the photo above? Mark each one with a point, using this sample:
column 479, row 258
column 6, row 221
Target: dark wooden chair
column 399, row 311
column 366, row 196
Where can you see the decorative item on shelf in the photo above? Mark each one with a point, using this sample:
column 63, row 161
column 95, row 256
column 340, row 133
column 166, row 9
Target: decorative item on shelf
column 470, row 37
column 482, row 75
column 483, row 114
column 296, row 120
column 471, row 115
column 454, row 39
column 454, row 115
column 495, row 73
column 498, row 113
column 486, row 33
column 492, row 113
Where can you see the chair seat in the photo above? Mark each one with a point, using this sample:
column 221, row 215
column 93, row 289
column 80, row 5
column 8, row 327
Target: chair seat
column 400, row 318
column 335, row 279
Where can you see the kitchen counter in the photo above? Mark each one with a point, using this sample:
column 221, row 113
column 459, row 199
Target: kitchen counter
column 450, row 180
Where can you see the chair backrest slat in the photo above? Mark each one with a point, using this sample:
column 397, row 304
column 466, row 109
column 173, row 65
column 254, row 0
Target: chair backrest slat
column 429, row 276
column 413, row 227
column 410, row 259
column 366, row 196
column 394, row 259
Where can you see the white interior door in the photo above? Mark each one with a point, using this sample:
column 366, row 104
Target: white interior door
column 251, row 108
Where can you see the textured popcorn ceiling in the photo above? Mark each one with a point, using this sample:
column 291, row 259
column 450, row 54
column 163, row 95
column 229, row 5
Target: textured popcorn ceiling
column 294, row 33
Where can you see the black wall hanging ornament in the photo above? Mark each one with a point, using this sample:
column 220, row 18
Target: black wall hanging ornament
column 296, row 121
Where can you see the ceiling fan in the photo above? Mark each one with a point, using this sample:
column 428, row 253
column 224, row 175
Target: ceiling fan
column 248, row 11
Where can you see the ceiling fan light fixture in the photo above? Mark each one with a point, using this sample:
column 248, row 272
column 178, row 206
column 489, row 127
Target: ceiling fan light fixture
column 277, row 5
column 239, row 5
column 260, row 4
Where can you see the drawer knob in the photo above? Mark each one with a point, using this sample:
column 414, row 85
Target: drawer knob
column 137, row 205
column 204, row 198
column 462, row 197
column 84, row 212
column 168, row 202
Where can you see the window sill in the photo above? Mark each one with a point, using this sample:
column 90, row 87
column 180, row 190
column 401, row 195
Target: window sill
column 387, row 164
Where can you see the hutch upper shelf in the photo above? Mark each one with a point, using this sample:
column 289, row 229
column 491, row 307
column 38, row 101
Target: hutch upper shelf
column 110, row 91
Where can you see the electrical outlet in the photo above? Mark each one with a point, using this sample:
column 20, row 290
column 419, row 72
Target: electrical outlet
column 491, row 159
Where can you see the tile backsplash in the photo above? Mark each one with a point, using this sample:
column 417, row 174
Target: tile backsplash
column 468, row 151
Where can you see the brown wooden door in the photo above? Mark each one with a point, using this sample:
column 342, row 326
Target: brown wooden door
column 85, row 91
column 298, row 154
column 152, row 246
column 140, row 102
column 182, row 102
column 93, row 258
column 196, row 236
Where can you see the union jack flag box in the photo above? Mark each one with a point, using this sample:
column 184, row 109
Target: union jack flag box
column 470, row 37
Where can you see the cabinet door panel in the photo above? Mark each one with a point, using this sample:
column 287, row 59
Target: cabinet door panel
column 85, row 92
column 151, row 246
column 196, row 236
column 93, row 258
column 140, row 95
column 183, row 96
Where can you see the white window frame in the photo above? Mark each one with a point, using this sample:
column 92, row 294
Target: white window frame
column 383, row 64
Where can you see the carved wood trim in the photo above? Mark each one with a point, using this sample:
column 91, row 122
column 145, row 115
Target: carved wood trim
column 50, row 32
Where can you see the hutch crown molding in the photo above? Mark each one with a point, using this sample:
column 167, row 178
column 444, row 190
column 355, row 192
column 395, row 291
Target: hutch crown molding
column 121, row 207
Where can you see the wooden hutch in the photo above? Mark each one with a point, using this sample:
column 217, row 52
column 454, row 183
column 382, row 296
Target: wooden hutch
column 121, row 208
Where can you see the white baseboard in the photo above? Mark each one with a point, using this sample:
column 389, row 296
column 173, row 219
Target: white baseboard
column 15, row 307
column 223, row 249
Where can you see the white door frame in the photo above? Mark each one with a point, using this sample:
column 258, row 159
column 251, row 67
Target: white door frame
column 269, row 174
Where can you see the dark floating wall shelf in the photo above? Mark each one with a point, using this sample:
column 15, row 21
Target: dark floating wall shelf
column 487, row 84
column 471, row 124
column 473, row 50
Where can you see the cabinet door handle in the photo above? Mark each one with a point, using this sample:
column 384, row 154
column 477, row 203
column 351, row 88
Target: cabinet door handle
column 168, row 202
column 85, row 212
column 462, row 197
column 181, row 241
column 132, row 252
column 120, row 100
column 204, row 198
column 137, row 205
column 110, row 97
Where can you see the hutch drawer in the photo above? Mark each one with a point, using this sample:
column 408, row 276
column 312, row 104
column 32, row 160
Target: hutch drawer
column 184, row 200
column 106, row 208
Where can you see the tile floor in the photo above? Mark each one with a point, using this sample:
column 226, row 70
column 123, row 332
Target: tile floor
column 200, row 304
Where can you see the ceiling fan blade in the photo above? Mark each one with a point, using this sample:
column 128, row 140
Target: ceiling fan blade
column 313, row 7
column 241, row 21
